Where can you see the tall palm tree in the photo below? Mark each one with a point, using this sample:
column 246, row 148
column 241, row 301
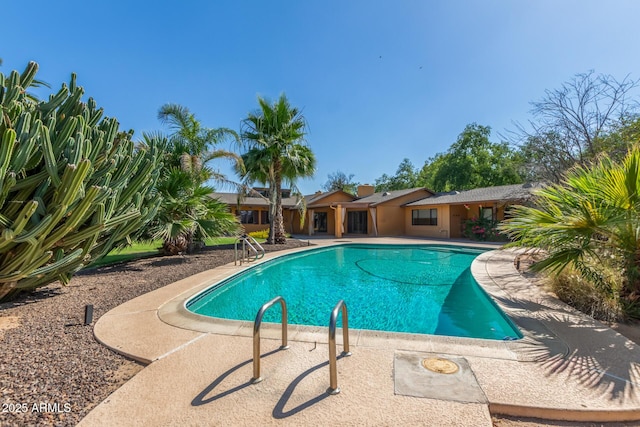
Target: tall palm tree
column 590, row 220
column 276, row 153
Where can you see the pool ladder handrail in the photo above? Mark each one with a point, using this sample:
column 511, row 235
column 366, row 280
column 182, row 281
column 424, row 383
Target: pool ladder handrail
column 248, row 241
column 333, row 320
column 333, row 370
column 256, row 335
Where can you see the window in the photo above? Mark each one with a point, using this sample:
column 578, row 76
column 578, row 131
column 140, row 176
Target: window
column 249, row 217
column 264, row 217
column 487, row 213
column 424, row 217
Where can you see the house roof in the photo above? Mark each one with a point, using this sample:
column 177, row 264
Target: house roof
column 383, row 197
column 232, row 199
column 486, row 194
column 316, row 197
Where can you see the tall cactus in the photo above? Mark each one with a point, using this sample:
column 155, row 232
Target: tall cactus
column 71, row 186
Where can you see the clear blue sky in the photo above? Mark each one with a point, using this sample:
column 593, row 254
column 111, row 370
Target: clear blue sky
column 377, row 81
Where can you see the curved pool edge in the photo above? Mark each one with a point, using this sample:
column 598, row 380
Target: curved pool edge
column 533, row 346
column 136, row 330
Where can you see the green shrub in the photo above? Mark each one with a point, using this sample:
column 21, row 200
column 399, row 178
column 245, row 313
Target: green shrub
column 72, row 186
column 482, row 229
column 264, row 234
column 572, row 288
column 260, row 234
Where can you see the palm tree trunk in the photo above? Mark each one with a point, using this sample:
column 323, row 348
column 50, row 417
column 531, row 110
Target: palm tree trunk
column 278, row 221
column 272, row 213
column 179, row 245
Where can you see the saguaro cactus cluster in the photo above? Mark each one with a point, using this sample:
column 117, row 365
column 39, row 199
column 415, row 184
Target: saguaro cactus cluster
column 71, row 185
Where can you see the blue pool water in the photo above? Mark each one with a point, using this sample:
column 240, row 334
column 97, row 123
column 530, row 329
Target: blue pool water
column 416, row 289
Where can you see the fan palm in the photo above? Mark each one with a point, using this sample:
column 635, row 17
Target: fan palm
column 191, row 144
column 590, row 220
column 276, row 153
column 188, row 214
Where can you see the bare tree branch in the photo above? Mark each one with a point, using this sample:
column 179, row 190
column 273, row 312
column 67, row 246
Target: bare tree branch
column 569, row 122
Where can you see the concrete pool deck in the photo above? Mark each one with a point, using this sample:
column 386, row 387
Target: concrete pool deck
column 567, row 366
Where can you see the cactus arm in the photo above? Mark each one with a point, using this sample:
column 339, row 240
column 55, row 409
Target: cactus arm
column 49, row 158
column 6, row 149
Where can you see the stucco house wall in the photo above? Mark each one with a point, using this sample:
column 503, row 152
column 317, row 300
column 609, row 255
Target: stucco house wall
column 441, row 230
column 320, row 203
column 390, row 215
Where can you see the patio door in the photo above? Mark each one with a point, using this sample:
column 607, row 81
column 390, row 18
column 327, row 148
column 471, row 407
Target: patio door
column 320, row 222
column 357, row 222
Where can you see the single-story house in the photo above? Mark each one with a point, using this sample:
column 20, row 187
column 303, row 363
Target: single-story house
column 444, row 214
column 409, row 212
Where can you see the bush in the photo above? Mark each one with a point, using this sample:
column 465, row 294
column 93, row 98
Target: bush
column 589, row 222
column 264, row 234
column 482, row 229
column 260, row 234
column 573, row 289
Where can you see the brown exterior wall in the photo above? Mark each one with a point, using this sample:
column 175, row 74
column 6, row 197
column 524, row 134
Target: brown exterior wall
column 391, row 221
column 438, row 231
column 334, row 198
column 473, row 210
column 322, row 205
column 248, row 228
column 451, row 219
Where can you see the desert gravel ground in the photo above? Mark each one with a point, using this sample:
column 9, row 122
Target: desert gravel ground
column 52, row 370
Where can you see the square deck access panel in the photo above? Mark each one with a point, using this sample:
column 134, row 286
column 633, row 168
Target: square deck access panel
column 412, row 378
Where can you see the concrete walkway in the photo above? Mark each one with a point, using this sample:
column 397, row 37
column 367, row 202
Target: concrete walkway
column 567, row 366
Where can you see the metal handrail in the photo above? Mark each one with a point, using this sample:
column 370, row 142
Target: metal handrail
column 250, row 242
column 333, row 371
column 256, row 335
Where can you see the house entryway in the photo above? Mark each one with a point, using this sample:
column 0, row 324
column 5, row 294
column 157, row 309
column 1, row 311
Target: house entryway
column 320, row 222
column 357, row 222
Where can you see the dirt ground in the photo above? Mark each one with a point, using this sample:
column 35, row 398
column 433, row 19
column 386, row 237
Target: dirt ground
column 48, row 356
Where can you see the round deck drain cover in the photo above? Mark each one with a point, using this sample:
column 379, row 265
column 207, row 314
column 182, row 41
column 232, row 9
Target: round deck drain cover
column 440, row 365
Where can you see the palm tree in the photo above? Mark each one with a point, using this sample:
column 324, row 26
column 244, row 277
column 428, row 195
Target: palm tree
column 188, row 214
column 191, row 145
column 276, row 153
column 589, row 221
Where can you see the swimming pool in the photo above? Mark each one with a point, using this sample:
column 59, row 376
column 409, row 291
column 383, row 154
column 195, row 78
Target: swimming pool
column 423, row 289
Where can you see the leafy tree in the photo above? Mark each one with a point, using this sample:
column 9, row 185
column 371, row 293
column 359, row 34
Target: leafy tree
column 570, row 123
column 471, row 162
column 276, row 153
column 187, row 214
column 341, row 181
column 406, row 177
column 590, row 221
column 621, row 139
